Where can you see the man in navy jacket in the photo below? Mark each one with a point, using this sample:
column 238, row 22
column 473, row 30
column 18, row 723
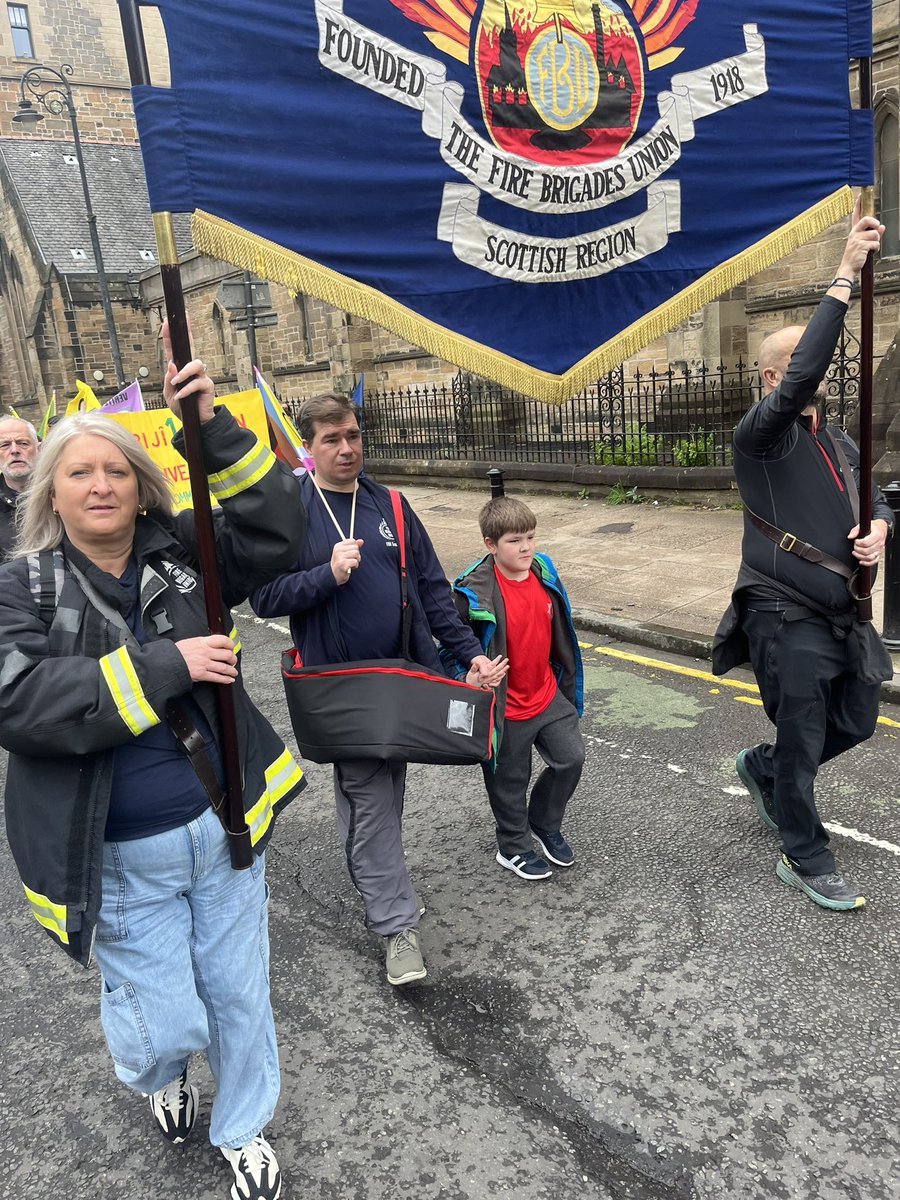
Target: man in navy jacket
column 343, row 600
column 818, row 668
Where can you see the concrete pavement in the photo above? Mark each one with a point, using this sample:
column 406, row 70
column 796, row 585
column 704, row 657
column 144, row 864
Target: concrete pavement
column 654, row 574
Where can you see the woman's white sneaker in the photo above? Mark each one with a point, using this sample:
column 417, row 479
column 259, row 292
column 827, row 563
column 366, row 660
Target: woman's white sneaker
column 256, row 1172
column 174, row 1108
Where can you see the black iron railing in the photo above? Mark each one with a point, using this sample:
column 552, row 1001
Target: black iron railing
column 682, row 416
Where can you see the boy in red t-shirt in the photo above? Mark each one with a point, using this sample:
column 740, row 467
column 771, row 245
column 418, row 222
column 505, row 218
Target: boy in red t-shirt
column 514, row 601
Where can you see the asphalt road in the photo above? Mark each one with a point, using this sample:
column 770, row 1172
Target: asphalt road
column 664, row 1020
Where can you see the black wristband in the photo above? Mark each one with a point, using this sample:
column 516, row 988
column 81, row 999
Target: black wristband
column 841, row 279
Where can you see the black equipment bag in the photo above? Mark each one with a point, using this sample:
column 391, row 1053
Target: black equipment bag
column 389, row 709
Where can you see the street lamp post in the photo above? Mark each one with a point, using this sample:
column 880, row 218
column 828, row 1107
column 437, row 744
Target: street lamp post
column 52, row 91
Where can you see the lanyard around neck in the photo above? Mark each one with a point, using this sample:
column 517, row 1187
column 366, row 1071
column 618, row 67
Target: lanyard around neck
column 328, row 509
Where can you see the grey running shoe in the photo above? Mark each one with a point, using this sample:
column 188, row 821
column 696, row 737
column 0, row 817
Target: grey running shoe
column 174, row 1108
column 404, row 958
column 256, row 1172
column 762, row 797
column 828, row 891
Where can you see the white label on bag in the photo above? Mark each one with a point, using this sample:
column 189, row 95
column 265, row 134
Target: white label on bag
column 461, row 717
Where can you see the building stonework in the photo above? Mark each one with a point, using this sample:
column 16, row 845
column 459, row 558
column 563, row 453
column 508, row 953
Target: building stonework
column 52, row 328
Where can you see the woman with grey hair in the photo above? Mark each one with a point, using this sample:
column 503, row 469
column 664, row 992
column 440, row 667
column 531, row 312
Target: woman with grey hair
column 107, row 707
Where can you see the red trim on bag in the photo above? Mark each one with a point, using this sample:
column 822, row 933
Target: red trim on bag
column 312, row 673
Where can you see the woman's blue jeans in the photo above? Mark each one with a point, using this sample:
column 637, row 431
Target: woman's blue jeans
column 183, row 949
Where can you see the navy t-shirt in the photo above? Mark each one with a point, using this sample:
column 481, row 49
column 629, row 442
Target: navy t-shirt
column 369, row 603
column 154, row 786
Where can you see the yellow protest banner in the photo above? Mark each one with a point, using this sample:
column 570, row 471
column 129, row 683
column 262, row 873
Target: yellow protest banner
column 155, row 429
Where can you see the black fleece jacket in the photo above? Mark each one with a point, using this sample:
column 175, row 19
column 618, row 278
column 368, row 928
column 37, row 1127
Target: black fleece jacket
column 788, row 474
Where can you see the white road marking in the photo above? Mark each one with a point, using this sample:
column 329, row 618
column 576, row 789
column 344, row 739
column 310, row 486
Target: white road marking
column 249, row 616
column 857, row 836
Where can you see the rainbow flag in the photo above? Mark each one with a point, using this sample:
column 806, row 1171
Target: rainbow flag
column 288, row 443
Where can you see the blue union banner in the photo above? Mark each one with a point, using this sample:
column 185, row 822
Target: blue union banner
column 532, row 190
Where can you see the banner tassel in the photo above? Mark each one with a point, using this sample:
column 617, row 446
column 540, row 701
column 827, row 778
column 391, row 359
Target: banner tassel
column 220, row 239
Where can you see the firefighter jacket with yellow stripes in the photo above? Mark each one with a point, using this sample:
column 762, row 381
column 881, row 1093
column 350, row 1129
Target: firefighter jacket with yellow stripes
column 73, row 687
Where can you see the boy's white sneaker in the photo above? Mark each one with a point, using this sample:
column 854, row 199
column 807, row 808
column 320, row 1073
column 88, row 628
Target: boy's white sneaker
column 554, row 847
column 526, row 866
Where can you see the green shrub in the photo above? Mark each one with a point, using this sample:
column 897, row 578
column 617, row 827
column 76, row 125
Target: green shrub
column 696, row 450
column 638, row 448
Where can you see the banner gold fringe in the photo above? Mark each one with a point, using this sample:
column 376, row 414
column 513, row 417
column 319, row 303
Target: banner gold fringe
column 220, row 239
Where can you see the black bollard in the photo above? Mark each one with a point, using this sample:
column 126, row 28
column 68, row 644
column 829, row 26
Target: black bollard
column 495, row 475
column 891, row 622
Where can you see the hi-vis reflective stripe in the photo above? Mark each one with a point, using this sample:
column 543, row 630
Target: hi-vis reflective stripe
column 118, row 671
column 234, row 637
column 281, row 776
column 51, row 916
column 245, row 472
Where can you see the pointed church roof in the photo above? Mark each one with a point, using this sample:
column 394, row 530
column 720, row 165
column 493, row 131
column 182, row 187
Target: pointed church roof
column 47, row 183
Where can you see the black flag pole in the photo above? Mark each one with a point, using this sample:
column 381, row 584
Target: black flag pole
column 170, row 272
column 866, row 351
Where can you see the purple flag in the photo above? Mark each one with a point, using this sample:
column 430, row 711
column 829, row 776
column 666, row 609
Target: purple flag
column 128, row 400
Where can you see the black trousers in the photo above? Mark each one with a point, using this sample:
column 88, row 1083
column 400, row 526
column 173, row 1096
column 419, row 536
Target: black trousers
column 555, row 735
column 819, row 709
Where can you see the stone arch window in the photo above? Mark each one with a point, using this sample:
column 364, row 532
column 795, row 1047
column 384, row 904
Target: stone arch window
column 887, row 175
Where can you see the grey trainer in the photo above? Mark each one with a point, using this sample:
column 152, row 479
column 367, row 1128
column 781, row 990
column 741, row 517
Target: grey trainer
column 762, row 797
column 404, row 958
column 828, row 891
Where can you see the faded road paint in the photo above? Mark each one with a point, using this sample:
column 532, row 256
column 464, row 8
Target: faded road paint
column 638, row 703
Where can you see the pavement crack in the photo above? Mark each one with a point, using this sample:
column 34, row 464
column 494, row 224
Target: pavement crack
column 464, row 1026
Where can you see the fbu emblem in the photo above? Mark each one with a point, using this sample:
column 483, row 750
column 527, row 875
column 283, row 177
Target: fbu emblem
column 559, row 83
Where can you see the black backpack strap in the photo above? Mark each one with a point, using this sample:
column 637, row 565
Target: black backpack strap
column 47, row 598
column 847, row 472
column 45, row 579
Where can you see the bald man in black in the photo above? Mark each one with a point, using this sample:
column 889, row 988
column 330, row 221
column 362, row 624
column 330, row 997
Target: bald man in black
column 818, row 668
